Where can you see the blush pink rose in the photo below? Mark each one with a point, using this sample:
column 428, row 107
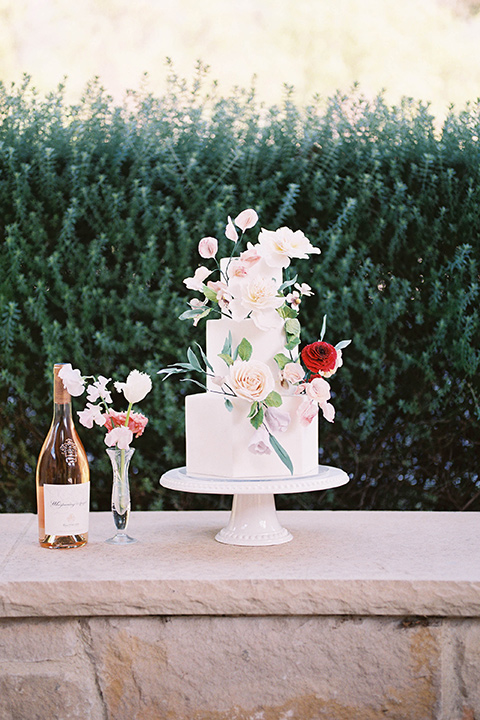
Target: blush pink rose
column 251, row 379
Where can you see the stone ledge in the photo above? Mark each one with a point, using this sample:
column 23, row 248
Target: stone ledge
column 339, row 563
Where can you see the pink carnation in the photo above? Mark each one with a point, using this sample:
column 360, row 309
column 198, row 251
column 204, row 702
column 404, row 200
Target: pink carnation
column 136, row 421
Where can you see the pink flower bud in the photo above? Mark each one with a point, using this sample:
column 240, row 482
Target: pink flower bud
column 207, row 247
column 247, row 219
column 230, row 231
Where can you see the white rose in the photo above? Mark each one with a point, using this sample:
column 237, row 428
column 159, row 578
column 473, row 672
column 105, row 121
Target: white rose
column 279, row 246
column 251, row 379
column 137, row 386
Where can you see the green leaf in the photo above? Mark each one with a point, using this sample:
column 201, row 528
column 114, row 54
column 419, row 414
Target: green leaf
column 192, row 313
column 281, row 452
column 245, row 349
column 170, row 371
column 287, row 312
column 204, row 357
column 253, row 409
column 288, row 283
column 194, row 361
column 228, row 405
column 324, row 327
column 257, row 419
column 292, row 327
column 273, row 399
column 195, row 382
column 292, row 342
column 226, row 358
column 227, row 345
column 281, row 360
column 209, row 294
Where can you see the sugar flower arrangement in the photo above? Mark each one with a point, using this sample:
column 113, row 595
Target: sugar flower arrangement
column 249, row 285
column 121, row 427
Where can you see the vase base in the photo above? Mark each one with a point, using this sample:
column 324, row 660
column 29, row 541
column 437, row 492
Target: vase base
column 121, row 539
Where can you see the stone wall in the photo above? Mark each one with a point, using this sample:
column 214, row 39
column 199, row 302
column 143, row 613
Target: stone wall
column 119, row 660
column 239, row 668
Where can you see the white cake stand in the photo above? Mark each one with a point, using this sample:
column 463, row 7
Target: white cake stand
column 253, row 520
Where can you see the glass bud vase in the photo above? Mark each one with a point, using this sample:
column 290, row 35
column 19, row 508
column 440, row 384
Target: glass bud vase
column 120, row 460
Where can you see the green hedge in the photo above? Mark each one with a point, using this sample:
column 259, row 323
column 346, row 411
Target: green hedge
column 101, row 210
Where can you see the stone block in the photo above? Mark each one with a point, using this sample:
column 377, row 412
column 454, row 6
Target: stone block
column 267, row 668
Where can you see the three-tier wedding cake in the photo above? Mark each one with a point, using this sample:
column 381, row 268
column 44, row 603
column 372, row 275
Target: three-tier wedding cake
column 257, row 417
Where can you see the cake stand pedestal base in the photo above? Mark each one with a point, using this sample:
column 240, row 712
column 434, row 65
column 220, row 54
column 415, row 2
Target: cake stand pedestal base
column 253, row 520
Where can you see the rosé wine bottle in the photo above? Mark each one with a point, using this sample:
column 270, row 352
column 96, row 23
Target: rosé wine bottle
column 62, row 478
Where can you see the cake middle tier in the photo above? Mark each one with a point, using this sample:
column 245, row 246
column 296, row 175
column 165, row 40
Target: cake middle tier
column 217, row 440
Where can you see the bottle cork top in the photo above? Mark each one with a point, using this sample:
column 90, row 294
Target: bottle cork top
column 61, row 396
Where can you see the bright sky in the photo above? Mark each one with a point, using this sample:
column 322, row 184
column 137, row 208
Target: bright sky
column 418, row 48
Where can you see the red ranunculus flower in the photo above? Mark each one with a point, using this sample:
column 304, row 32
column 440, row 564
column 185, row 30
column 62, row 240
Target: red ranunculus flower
column 320, row 358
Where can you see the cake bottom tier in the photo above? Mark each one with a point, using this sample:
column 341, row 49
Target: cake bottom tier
column 217, row 441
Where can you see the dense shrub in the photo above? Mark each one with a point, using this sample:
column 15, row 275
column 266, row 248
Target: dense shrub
column 101, row 209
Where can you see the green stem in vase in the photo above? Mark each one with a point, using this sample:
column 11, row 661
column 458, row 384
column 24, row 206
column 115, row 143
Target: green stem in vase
column 122, row 491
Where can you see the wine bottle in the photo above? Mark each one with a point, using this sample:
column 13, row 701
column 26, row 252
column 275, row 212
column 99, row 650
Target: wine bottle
column 62, row 478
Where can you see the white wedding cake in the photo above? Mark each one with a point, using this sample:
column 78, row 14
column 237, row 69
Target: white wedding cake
column 257, row 417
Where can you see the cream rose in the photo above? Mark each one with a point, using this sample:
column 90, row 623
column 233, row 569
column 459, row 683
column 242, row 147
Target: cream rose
column 251, row 379
column 279, row 246
column 261, row 293
column 258, row 296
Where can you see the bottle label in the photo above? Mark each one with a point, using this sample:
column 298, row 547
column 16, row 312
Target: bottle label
column 66, row 509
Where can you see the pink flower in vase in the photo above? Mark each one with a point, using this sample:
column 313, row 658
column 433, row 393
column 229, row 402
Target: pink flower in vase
column 119, row 436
